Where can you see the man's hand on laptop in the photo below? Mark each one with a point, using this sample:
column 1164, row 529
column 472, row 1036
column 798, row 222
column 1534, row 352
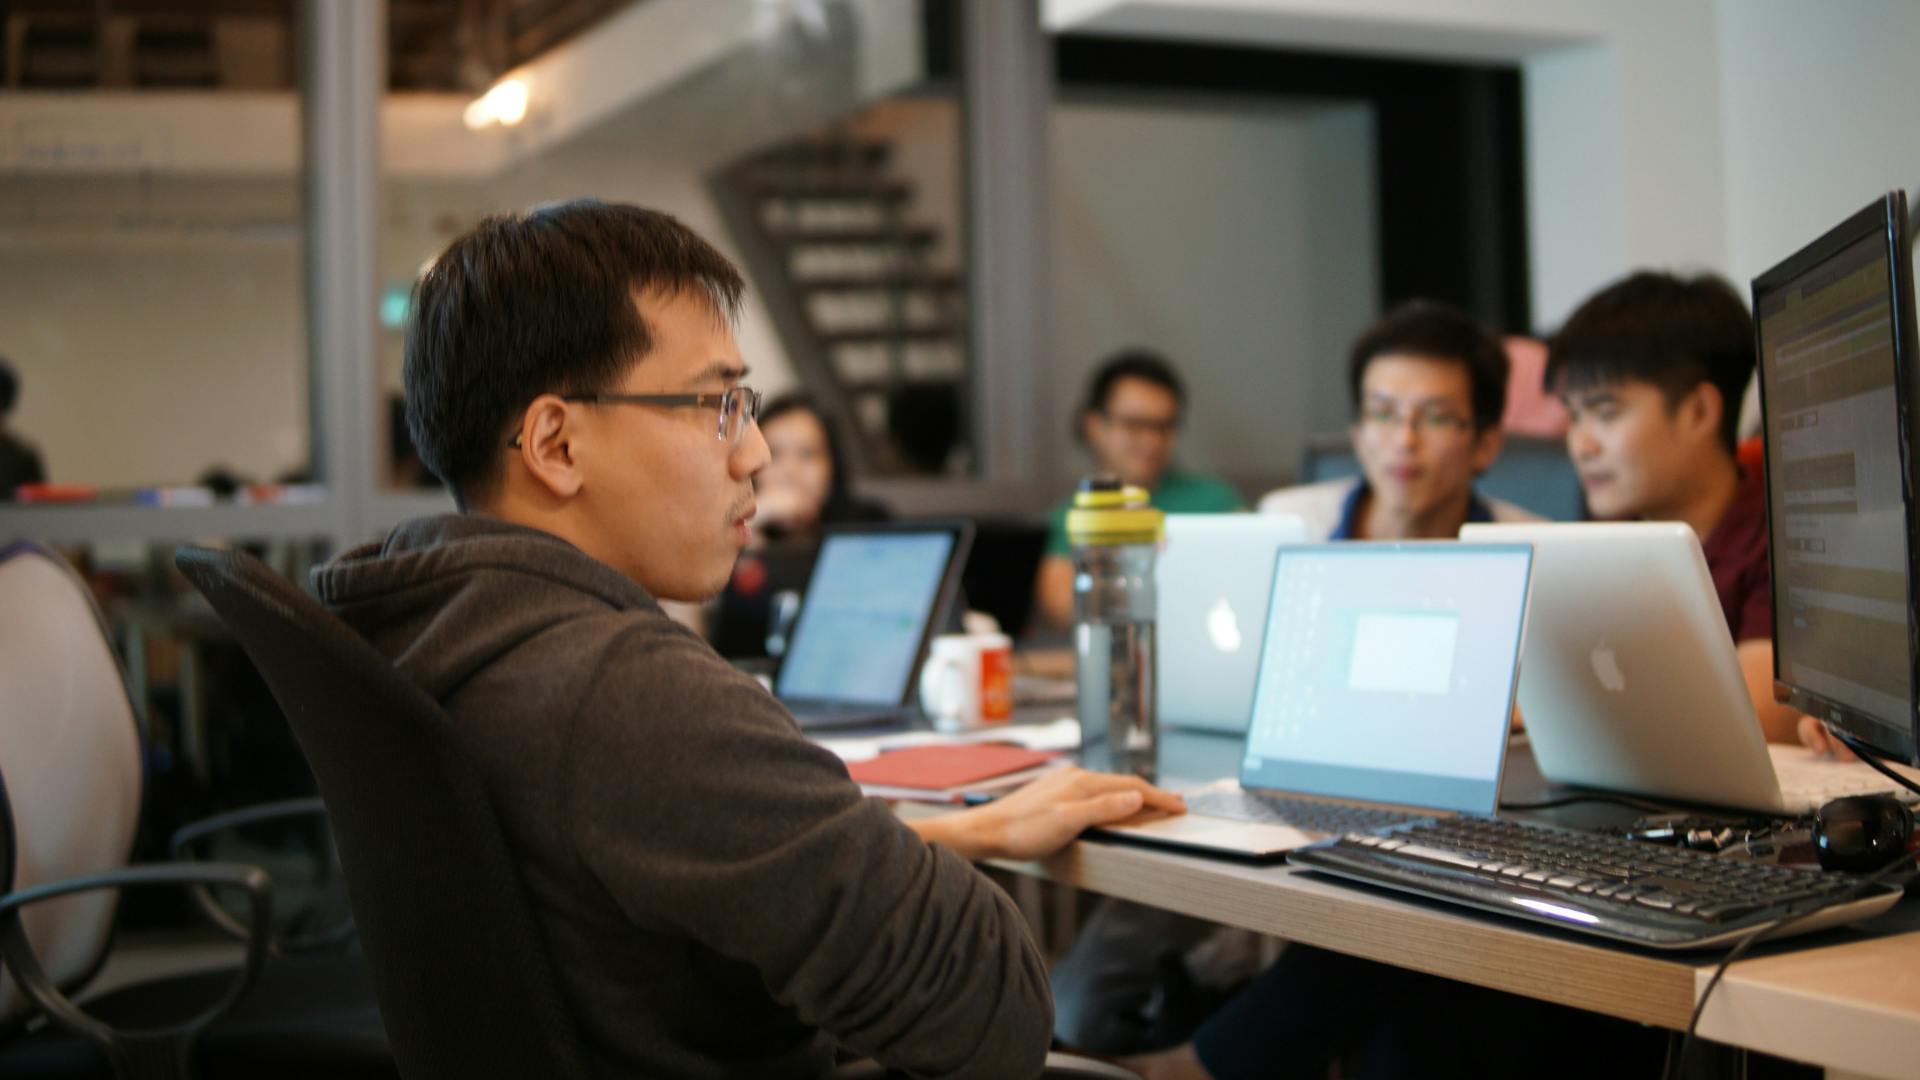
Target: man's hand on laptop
column 1045, row 815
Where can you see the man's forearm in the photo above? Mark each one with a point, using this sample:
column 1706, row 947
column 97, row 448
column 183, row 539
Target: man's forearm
column 958, row 832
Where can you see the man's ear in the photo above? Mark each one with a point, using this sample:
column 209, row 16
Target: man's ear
column 1087, row 419
column 1700, row 412
column 547, row 450
column 1486, row 447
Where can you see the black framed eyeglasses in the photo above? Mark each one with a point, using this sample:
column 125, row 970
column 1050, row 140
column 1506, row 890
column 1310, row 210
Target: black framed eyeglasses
column 738, row 405
column 1388, row 419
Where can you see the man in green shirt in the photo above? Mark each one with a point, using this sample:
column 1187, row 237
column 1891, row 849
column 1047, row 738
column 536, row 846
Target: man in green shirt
column 1130, row 423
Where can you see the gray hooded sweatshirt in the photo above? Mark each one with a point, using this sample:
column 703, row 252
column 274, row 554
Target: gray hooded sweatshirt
column 720, row 898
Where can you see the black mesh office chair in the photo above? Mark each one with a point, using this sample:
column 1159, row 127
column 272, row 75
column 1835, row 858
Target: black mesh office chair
column 462, row 974
column 463, row 977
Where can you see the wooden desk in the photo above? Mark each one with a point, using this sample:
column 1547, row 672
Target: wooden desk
column 1854, row 1005
column 1847, row 999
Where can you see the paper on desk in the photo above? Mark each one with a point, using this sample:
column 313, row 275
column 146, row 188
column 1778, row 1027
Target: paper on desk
column 1061, row 734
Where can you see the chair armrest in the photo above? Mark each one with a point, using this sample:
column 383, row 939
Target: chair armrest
column 193, row 833
column 164, row 1048
column 187, row 836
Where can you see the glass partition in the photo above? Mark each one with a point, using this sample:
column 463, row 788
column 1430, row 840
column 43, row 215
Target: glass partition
column 152, row 289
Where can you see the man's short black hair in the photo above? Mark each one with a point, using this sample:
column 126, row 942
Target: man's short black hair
column 9, row 387
column 533, row 303
column 1673, row 332
column 1435, row 331
column 1132, row 364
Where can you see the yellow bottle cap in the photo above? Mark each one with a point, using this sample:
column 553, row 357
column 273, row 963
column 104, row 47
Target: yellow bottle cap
column 1107, row 513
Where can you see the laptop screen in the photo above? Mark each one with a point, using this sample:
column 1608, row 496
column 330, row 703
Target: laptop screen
column 866, row 612
column 1387, row 673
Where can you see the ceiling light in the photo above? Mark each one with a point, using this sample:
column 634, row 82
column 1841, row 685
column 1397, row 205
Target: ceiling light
column 505, row 104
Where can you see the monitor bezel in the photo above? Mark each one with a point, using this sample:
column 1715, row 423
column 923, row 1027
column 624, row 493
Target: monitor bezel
column 1885, row 218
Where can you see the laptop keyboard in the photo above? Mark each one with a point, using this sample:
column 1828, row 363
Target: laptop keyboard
column 1296, row 813
column 1609, row 886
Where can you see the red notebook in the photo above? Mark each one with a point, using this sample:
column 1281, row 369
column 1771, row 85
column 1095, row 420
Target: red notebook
column 945, row 773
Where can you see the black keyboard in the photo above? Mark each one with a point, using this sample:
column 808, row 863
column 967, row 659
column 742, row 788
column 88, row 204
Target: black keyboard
column 1609, row 886
column 1298, row 813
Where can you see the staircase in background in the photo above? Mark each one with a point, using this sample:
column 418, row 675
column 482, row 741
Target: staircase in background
column 875, row 328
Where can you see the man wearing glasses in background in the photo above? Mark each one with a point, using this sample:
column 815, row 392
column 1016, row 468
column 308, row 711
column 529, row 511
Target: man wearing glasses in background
column 1130, row 423
column 1429, row 385
column 718, row 896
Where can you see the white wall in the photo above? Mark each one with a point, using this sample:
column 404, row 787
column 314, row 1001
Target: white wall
column 146, row 362
column 1239, row 240
column 1691, row 134
column 1622, row 108
column 1821, row 117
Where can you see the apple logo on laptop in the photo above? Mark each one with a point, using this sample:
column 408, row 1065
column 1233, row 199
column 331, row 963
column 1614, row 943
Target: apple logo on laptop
column 1223, row 627
column 1606, row 668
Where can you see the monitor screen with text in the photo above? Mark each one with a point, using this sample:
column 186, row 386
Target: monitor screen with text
column 1837, row 509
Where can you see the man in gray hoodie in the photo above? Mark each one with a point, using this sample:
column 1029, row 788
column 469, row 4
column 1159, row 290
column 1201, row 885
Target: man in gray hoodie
column 719, row 896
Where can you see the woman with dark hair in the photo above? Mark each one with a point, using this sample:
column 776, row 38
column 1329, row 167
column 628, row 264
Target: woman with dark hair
column 806, row 484
column 804, row 487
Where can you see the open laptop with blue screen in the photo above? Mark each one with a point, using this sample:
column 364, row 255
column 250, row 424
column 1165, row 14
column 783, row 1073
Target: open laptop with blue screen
column 1385, row 687
column 874, row 600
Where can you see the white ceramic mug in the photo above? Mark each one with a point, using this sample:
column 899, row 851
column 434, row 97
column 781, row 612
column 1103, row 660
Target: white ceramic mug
column 968, row 680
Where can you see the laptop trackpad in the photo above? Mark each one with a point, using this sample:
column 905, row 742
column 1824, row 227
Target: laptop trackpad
column 1215, row 834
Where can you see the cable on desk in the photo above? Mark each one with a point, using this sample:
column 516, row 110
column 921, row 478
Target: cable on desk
column 1569, row 800
column 1678, row 1062
column 1871, row 757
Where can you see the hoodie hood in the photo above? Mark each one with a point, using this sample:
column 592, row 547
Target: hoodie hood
column 446, row 596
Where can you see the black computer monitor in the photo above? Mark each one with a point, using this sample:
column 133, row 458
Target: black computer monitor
column 1834, row 326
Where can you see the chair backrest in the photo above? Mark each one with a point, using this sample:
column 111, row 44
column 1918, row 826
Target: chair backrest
column 70, row 751
column 465, row 981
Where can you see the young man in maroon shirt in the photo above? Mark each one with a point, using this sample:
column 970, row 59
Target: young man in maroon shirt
column 1652, row 369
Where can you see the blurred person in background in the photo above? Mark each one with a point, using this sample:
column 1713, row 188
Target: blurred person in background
column 805, row 487
column 19, row 461
column 1130, row 423
column 1429, row 386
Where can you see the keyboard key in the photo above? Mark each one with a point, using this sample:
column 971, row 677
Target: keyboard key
column 1434, row 855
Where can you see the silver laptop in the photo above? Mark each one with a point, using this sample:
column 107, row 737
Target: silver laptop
column 1214, row 576
column 875, row 598
column 1630, row 682
column 1385, row 689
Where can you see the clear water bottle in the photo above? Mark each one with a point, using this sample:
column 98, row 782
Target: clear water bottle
column 1115, row 536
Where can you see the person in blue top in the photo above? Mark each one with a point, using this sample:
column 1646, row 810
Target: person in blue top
column 1429, row 385
column 1130, row 423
